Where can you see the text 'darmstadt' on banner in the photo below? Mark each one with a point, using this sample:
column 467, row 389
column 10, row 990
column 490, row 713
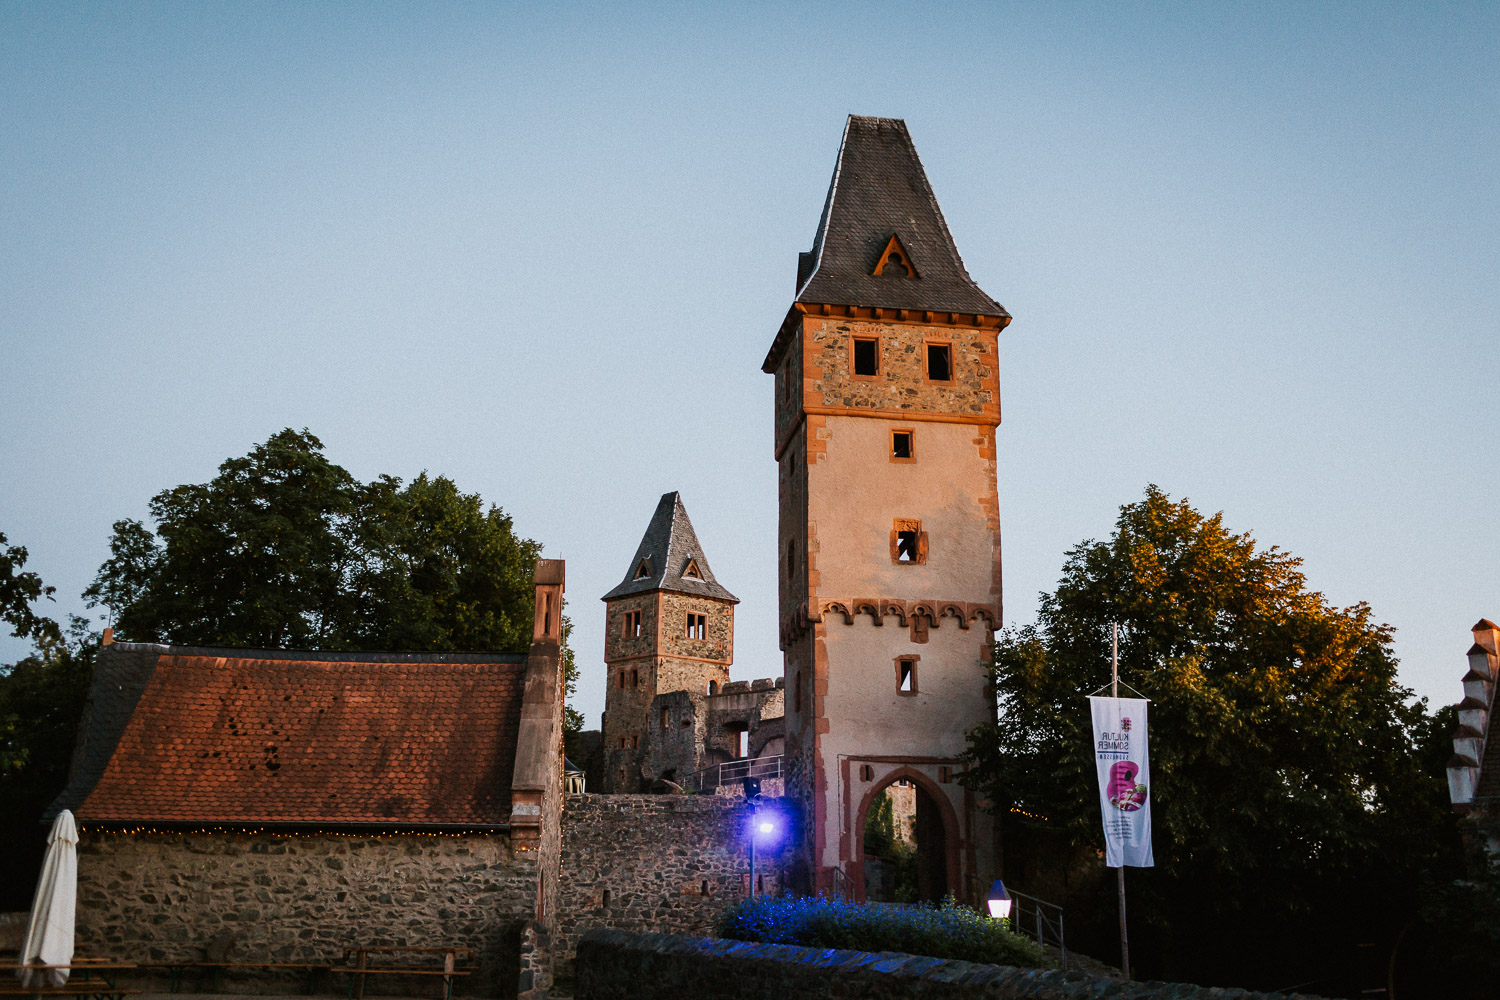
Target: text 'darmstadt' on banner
column 1124, row 780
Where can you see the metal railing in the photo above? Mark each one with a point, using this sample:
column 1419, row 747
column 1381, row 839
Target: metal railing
column 842, row 887
column 1033, row 917
column 732, row 771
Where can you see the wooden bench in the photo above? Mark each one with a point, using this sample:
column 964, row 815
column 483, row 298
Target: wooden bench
column 96, row 990
column 361, row 967
column 83, row 985
column 176, row 969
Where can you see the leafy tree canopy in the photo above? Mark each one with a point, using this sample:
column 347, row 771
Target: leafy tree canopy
column 1283, row 757
column 18, row 590
column 285, row 549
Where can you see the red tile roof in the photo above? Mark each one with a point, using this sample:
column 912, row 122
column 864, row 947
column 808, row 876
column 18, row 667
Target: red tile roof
column 237, row 736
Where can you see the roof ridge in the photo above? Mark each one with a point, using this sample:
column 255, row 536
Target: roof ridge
column 320, row 655
column 833, row 186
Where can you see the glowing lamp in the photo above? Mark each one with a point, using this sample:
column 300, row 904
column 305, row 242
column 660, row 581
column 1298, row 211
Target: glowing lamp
column 999, row 901
column 766, row 826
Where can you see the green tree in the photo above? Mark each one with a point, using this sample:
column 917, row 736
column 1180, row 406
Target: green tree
column 285, row 549
column 18, row 589
column 1291, row 810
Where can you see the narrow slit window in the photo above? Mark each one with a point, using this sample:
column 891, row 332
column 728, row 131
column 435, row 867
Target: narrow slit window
column 703, row 890
column 866, row 356
column 604, row 900
column 906, row 676
column 635, row 678
column 866, row 772
column 901, row 446
column 940, row 362
column 635, row 741
column 906, row 546
column 908, row 541
column 666, row 718
column 622, row 747
column 697, row 626
column 623, row 677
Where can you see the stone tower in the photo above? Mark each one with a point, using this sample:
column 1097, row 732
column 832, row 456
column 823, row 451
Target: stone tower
column 887, row 400
column 669, row 626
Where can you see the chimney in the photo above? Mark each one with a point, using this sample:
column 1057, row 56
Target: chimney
column 548, row 580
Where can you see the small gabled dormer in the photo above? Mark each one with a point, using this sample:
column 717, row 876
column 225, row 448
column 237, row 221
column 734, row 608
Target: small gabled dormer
column 894, row 261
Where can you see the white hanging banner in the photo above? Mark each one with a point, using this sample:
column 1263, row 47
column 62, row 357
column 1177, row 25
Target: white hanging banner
column 1124, row 780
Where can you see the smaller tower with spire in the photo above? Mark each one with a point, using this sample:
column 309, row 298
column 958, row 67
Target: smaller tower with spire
column 669, row 626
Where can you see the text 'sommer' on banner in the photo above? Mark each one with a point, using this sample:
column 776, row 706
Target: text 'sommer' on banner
column 1124, row 779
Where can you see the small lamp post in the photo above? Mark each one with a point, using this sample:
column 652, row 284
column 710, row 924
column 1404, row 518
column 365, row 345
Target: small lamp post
column 762, row 824
column 999, row 901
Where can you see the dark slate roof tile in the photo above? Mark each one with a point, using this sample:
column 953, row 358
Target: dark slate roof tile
column 666, row 549
column 880, row 190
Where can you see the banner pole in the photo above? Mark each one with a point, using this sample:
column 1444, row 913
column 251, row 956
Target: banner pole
column 1114, row 692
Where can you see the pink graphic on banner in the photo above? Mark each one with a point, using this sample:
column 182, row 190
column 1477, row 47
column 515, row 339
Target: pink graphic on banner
column 1124, row 793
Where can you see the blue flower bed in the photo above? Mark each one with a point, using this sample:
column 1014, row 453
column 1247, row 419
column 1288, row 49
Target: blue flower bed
column 947, row 931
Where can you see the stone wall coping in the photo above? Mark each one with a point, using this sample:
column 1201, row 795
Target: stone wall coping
column 671, row 963
column 673, row 803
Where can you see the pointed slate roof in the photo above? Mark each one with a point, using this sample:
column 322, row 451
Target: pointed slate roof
column 666, row 550
column 880, row 190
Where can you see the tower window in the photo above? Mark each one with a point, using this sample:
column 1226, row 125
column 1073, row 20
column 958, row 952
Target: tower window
column 665, row 718
column 635, row 678
column 713, row 687
column 906, row 675
column 940, row 362
column 866, row 356
column 635, row 741
column 622, row 747
column 643, row 570
column 692, row 572
column 632, row 628
column 866, row 772
column 697, row 626
column 908, row 541
column 903, row 445
column 622, row 680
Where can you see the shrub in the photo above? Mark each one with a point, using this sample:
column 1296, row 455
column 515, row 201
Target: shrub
column 947, row 931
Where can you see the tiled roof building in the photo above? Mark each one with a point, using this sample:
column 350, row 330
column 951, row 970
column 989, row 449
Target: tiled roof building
column 303, row 801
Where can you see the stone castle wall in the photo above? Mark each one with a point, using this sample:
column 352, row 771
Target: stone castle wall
column 669, row 863
column 718, row 643
column 305, row 898
column 902, row 383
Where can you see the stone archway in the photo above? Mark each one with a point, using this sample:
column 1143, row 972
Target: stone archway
column 924, row 866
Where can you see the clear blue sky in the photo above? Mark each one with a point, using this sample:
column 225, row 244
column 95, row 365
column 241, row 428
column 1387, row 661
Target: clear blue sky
column 1251, row 251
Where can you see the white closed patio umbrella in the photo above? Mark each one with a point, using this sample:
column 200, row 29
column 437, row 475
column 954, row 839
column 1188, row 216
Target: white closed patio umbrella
column 49, row 936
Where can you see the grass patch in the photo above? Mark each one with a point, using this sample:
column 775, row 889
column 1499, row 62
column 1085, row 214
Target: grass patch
column 947, row 931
